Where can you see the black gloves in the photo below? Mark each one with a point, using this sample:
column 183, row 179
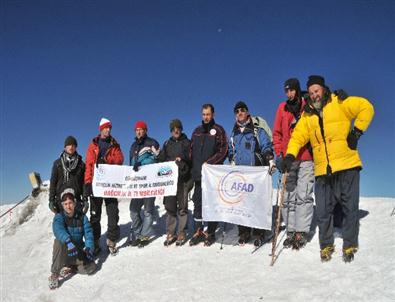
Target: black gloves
column 136, row 166
column 287, row 163
column 87, row 191
column 53, row 206
column 341, row 94
column 353, row 137
column 100, row 161
column 85, row 204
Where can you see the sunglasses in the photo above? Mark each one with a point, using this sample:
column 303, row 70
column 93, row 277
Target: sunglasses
column 240, row 110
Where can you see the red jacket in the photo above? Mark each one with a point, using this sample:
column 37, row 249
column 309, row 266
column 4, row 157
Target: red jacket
column 282, row 131
column 113, row 156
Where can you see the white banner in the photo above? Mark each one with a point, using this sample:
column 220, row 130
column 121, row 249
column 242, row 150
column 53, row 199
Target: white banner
column 237, row 194
column 123, row 182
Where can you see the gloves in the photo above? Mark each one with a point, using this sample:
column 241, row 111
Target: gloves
column 87, row 190
column 279, row 163
column 341, row 94
column 53, row 206
column 71, row 249
column 100, row 161
column 353, row 137
column 89, row 254
column 287, row 163
column 136, row 166
column 85, row 204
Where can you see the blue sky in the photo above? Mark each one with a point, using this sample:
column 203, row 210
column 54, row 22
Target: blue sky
column 66, row 64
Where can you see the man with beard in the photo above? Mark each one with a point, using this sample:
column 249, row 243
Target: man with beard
column 333, row 128
column 67, row 171
column 208, row 145
column 298, row 206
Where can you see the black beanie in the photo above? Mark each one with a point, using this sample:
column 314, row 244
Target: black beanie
column 70, row 140
column 176, row 123
column 239, row 105
column 315, row 79
column 292, row 83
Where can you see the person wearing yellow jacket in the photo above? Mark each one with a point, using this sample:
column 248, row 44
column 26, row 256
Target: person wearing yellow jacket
column 333, row 128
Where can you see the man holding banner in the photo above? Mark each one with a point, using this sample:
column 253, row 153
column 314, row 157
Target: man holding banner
column 208, row 145
column 249, row 146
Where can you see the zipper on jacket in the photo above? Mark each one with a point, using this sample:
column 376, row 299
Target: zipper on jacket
column 321, row 123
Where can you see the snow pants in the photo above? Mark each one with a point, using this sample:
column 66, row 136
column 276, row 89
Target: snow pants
column 60, row 259
column 142, row 227
column 113, row 231
column 177, row 205
column 197, row 212
column 298, row 200
column 341, row 187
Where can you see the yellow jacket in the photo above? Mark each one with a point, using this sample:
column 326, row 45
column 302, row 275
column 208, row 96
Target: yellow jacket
column 337, row 122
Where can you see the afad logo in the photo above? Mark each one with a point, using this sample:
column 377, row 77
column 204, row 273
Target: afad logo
column 233, row 187
column 165, row 171
column 100, row 173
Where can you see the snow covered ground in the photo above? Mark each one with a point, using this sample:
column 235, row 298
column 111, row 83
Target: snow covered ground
column 157, row 273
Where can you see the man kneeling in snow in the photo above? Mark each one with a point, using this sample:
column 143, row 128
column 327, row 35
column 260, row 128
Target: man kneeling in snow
column 70, row 252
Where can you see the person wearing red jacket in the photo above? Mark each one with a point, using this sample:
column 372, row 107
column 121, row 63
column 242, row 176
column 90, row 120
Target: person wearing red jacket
column 298, row 207
column 103, row 149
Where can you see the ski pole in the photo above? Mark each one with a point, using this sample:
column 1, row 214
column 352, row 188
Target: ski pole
column 278, row 218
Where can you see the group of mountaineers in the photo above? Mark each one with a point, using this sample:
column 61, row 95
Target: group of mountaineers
column 313, row 144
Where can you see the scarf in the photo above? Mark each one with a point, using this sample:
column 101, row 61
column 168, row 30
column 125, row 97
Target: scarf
column 69, row 163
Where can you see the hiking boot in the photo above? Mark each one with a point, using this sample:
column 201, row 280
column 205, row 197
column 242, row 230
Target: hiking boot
column 112, row 247
column 300, row 240
column 53, row 281
column 134, row 242
column 144, row 241
column 197, row 238
column 67, row 271
column 289, row 241
column 263, row 238
column 181, row 239
column 326, row 253
column 170, row 239
column 348, row 254
column 244, row 238
column 209, row 239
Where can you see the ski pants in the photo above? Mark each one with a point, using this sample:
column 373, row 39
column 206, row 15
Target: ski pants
column 142, row 227
column 60, row 259
column 298, row 200
column 197, row 212
column 341, row 187
column 177, row 205
column 113, row 231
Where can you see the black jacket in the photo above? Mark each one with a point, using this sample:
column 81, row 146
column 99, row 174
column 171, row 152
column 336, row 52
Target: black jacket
column 173, row 148
column 208, row 145
column 58, row 182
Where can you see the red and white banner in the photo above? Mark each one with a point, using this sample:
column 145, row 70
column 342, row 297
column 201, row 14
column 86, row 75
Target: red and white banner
column 237, row 194
column 123, row 182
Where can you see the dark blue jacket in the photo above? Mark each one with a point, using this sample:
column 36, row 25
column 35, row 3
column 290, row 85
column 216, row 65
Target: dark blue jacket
column 144, row 151
column 75, row 228
column 244, row 148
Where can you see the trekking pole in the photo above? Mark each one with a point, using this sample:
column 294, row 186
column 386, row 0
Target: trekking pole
column 278, row 218
column 9, row 210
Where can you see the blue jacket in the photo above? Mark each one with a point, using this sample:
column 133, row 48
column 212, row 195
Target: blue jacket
column 144, row 151
column 75, row 228
column 244, row 148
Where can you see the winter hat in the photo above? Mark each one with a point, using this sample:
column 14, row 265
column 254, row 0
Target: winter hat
column 67, row 192
column 292, row 83
column 70, row 140
column 140, row 124
column 315, row 79
column 104, row 123
column 176, row 123
column 240, row 105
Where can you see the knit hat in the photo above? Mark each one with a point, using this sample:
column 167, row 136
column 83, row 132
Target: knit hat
column 70, row 140
column 292, row 83
column 176, row 123
column 104, row 123
column 315, row 79
column 67, row 192
column 140, row 124
column 240, row 105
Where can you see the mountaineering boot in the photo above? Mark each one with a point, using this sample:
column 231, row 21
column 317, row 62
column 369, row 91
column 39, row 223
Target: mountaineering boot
column 112, row 247
column 170, row 239
column 53, row 281
column 67, row 271
column 348, row 254
column 209, row 239
column 244, row 238
column 300, row 240
column 181, row 239
column 262, row 238
column 197, row 237
column 144, row 241
column 326, row 253
column 289, row 241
